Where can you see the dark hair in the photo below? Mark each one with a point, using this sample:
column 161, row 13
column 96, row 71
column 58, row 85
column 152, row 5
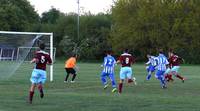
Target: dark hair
column 74, row 55
column 109, row 52
column 126, row 50
column 161, row 51
column 42, row 46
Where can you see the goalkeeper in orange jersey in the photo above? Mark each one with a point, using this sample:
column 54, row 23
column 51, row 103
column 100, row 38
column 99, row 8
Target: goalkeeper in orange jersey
column 70, row 67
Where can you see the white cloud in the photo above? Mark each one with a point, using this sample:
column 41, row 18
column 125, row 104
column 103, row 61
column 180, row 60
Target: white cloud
column 94, row 6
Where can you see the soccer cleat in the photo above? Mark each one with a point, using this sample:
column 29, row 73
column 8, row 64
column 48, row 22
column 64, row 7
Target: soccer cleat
column 183, row 80
column 134, row 80
column 114, row 90
column 106, row 86
column 72, row 81
column 65, row 81
column 164, row 87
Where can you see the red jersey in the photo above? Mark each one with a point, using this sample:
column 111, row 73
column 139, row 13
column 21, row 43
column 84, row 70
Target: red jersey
column 126, row 60
column 43, row 58
column 175, row 60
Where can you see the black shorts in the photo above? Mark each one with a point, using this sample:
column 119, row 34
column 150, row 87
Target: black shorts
column 70, row 71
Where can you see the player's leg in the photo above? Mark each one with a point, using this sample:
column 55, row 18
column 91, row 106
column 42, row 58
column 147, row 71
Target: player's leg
column 112, row 78
column 122, row 78
column 67, row 76
column 121, row 85
column 175, row 70
column 41, row 81
column 31, row 92
column 103, row 79
column 130, row 76
column 73, row 72
column 34, row 81
column 160, row 76
column 149, row 70
column 168, row 75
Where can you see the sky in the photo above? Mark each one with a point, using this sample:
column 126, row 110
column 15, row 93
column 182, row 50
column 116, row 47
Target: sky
column 94, row 6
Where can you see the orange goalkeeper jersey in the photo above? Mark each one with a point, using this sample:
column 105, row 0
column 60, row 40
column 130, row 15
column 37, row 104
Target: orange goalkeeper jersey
column 70, row 63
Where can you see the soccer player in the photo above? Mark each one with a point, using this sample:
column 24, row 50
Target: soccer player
column 108, row 71
column 126, row 60
column 175, row 62
column 151, row 66
column 38, row 76
column 162, row 64
column 70, row 66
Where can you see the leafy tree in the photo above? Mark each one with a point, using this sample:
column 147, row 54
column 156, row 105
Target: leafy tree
column 17, row 15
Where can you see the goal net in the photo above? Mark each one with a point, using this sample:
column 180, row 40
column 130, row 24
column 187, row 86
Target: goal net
column 18, row 47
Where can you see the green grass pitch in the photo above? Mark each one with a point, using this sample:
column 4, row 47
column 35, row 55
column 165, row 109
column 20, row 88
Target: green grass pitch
column 87, row 93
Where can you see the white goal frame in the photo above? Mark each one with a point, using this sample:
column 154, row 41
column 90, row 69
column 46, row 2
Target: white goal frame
column 37, row 33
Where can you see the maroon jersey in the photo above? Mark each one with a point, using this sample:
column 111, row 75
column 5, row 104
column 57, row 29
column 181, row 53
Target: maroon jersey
column 126, row 60
column 175, row 60
column 42, row 59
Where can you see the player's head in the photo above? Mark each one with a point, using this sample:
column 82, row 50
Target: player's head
column 109, row 52
column 42, row 46
column 148, row 55
column 74, row 55
column 160, row 51
column 126, row 51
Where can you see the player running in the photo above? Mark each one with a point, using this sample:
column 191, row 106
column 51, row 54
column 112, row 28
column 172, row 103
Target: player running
column 162, row 64
column 174, row 61
column 38, row 76
column 151, row 66
column 126, row 61
column 108, row 71
column 70, row 66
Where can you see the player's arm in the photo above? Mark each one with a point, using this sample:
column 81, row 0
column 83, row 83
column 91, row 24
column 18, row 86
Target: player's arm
column 119, row 60
column 34, row 60
column 167, row 64
column 147, row 63
column 49, row 61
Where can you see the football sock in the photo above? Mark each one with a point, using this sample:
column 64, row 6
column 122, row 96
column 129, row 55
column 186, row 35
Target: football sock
column 41, row 91
column 31, row 93
column 130, row 80
column 168, row 77
column 103, row 80
column 162, row 81
column 180, row 77
column 66, row 77
column 74, row 76
column 120, row 87
column 113, row 84
column 148, row 76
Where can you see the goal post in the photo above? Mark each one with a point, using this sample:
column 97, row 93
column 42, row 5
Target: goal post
column 25, row 39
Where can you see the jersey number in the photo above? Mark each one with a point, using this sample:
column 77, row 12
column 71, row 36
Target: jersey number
column 42, row 59
column 127, row 61
column 110, row 61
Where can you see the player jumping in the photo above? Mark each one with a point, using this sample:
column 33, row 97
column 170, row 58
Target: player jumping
column 38, row 76
column 108, row 71
column 126, row 61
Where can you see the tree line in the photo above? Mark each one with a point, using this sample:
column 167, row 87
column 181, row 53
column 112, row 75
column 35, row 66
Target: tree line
column 140, row 25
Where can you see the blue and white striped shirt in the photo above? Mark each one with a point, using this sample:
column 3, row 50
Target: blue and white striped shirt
column 152, row 61
column 161, row 62
column 109, row 64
